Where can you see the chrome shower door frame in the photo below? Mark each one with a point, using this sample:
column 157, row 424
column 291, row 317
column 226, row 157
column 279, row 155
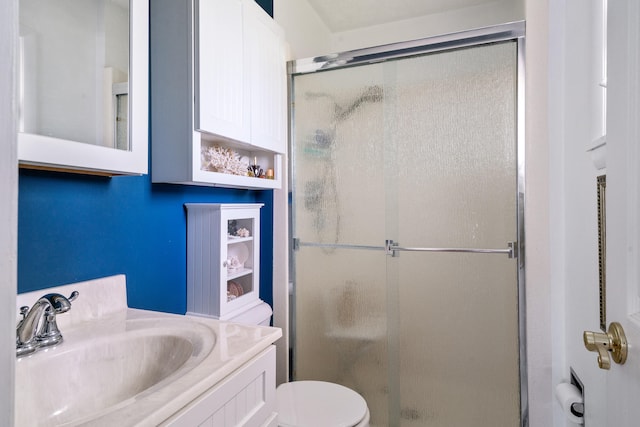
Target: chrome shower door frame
column 514, row 31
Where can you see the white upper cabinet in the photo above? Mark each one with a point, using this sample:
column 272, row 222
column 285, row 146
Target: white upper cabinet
column 223, row 95
column 218, row 102
column 264, row 43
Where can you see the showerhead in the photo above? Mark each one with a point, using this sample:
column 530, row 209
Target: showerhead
column 371, row 94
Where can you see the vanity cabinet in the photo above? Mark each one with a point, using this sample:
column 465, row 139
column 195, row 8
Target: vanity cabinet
column 247, row 397
column 223, row 259
column 218, row 81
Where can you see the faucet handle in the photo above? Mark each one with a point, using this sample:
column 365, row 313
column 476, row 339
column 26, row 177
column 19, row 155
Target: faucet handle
column 50, row 334
column 73, row 297
column 23, row 311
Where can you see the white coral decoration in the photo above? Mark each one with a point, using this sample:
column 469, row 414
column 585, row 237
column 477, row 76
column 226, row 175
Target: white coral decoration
column 243, row 232
column 234, row 263
column 220, row 159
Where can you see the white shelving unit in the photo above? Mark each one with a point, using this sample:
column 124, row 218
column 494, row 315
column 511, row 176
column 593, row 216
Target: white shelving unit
column 218, row 79
column 223, row 259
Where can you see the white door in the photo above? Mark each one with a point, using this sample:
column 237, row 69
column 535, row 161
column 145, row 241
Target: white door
column 9, row 204
column 623, row 206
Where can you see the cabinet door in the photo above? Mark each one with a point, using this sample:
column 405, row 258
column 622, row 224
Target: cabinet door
column 247, row 397
column 241, row 262
column 264, row 42
column 223, row 258
column 221, row 84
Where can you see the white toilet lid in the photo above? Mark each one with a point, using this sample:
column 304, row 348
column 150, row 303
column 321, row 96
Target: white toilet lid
column 318, row 404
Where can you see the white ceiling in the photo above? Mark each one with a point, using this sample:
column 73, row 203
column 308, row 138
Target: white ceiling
column 343, row 15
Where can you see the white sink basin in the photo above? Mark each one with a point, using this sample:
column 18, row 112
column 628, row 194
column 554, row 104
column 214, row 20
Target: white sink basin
column 126, row 367
column 82, row 379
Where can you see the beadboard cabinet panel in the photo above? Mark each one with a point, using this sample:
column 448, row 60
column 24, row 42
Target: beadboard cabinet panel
column 221, row 83
column 265, row 46
column 223, row 258
column 246, row 398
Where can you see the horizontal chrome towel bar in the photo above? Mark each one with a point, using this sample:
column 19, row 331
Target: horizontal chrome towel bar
column 297, row 244
column 392, row 248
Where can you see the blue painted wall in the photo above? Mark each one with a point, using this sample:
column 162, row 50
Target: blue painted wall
column 267, row 5
column 73, row 228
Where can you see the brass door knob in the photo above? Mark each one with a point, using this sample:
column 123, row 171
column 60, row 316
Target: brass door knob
column 613, row 344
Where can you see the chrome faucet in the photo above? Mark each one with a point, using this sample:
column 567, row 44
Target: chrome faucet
column 38, row 327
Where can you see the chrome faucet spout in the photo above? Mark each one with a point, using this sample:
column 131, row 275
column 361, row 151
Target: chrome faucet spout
column 60, row 303
column 38, row 327
column 29, row 325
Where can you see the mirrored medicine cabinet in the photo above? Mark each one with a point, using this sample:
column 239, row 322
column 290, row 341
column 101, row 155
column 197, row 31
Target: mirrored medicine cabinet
column 83, row 86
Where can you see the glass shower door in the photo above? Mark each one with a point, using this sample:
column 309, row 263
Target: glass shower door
column 398, row 168
column 340, row 331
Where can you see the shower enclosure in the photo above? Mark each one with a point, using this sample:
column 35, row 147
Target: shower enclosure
column 407, row 188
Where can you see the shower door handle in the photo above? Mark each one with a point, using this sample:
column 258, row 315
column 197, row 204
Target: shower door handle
column 392, row 248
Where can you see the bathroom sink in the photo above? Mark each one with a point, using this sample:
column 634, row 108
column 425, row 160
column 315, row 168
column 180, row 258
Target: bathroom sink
column 119, row 366
column 73, row 382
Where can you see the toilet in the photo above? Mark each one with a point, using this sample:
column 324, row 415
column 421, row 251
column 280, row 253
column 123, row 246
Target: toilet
column 257, row 315
column 320, row 404
column 311, row 403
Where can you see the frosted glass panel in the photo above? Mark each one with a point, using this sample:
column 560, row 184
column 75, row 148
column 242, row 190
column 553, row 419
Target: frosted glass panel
column 339, row 157
column 455, row 123
column 341, row 333
column 422, row 151
column 454, row 135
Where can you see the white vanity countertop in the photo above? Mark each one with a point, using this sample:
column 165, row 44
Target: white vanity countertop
column 234, row 345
